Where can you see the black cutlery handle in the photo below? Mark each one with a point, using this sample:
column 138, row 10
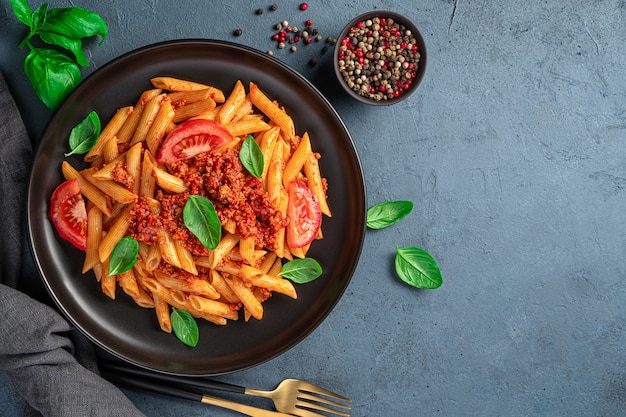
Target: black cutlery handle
column 198, row 382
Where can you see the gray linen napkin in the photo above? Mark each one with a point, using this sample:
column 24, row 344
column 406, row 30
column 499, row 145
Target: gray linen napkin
column 51, row 365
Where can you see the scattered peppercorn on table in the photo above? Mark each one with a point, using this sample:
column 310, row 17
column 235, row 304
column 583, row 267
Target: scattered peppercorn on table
column 512, row 152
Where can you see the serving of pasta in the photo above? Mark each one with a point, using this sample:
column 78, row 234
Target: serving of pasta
column 183, row 139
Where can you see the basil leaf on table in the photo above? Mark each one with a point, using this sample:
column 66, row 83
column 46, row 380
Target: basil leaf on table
column 185, row 327
column 84, row 135
column 21, row 10
column 418, row 268
column 73, row 45
column 52, row 74
column 251, row 157
column 385, row 214
column 301, row 271
column 201, row 219
column 124, row 255
column 75, row 23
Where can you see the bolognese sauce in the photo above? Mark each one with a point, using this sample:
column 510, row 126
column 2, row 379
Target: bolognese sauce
column 237, row 196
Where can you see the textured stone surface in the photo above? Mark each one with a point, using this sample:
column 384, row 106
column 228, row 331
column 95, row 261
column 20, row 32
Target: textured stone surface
column 512, row 150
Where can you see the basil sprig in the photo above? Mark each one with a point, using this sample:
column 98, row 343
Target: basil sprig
column 84, row 135
column 418, row 268
column 251, row 157
column 201, row 219
column 54, row 74
column 124, row 255
column 385, row 214
column 301, row 271
column 185, row 327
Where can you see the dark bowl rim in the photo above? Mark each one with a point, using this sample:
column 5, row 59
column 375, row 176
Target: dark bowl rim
column 422, row 63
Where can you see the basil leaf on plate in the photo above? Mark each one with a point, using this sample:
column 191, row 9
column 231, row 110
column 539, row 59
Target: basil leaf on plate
column 84, row 135
column 124, row 255
column 201, row 219
column 251, row 157
column 52, row 74
column 418, row 268
column 301, row 271
column 385, row 214
column 185, row 327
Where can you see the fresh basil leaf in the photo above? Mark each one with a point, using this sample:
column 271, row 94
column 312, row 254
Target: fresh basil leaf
column 84, row 135
column 251, row 157
column 75, row 23
column 39, row 17
column 201, row 219
column 301, row 271
column 418, row 268
column 73, row 45
column 185, row 327
column 385, row 214
column 22, row 11
column 52, row 74
column 124, row 255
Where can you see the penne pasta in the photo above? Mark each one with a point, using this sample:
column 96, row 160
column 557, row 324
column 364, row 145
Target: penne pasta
column 129, row 194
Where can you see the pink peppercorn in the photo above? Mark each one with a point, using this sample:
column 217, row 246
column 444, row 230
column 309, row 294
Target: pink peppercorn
column 304, row 6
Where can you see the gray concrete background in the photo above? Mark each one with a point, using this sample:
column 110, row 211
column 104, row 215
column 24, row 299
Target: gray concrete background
column 512, row 150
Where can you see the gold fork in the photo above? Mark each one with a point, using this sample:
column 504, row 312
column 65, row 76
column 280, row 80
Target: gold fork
column 292, row 396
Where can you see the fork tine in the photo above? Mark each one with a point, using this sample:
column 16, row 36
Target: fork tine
column 301, row 405
column 315, row 398
column 316, row 389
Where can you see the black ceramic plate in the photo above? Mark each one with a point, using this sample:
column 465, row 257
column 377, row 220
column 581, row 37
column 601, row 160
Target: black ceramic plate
column 132, row 333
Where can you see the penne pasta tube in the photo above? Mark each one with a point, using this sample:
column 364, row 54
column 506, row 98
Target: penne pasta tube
column 246, row 296
column 128, row 283
column 147, row 117
column 296, row 162
column 110, row 188
column 274, row 178
column 142, row 299
column 94, row 235
column 110, row 150
column 218, row 282
column 127, row 131
column 267, row 144
column 197, row 286
column 226, row 244
column 153, row 258
column 245, row 127
column 133, row 166
column 234, row 100
column 109, row 131
column 148, row 182
column 162, row 310
column 314, row 181
column 106, row 172
column 108, row 283
column 183, row 98
column 158, row 127
column 116, row 232
column 191, row 110
column 168, row 181
column 168, row 250
column 175, row 84
column 246, row 249
column 90, row 191
column 272, row 111
column 213, row 307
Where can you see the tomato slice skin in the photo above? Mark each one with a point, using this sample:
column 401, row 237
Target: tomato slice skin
column 191, row 138
column 68, row 213
column 305, row 216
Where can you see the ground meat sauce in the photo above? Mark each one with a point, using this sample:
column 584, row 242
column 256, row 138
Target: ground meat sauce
column 236, row 195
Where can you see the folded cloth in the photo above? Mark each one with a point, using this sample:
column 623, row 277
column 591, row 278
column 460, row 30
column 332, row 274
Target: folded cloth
column 51, row 365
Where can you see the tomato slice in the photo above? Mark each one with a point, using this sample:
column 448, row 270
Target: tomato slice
column 68, row 213
column 191, row 138
column 305, row 216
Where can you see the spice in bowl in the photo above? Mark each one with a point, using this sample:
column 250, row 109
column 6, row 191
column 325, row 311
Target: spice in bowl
column 380, row 58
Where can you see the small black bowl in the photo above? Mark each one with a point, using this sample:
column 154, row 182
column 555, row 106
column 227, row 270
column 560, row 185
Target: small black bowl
column 358, row 67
